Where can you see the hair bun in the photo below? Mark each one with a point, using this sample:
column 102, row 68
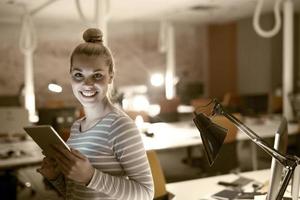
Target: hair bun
column 93, row 35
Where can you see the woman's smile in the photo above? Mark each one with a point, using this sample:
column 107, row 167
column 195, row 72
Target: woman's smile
column 88, row 93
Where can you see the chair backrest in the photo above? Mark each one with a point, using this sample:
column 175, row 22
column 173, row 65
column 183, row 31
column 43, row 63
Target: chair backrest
column 157, row 174
column 169, row 105
column 202, row 103
column 275, row 104
column 168, row 109
column 232, row 129
column 133, row 114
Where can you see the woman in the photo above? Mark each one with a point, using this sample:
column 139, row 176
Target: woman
column 107, row 158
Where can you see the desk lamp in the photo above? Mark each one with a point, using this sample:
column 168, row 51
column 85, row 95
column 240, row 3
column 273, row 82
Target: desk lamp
column 213, row 136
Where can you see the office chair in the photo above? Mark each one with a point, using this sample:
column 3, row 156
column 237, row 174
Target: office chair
column 133, row 114
column 160, row 191
column 168, row 109
column 275, row 104
column 199, row 102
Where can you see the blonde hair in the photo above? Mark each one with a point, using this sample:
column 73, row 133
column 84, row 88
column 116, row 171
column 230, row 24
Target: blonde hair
column 93, row 46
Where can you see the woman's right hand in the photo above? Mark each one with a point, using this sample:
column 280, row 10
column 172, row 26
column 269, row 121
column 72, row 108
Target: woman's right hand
column 49, row 169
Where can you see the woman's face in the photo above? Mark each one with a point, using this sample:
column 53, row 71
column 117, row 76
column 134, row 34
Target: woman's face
column 89, row 79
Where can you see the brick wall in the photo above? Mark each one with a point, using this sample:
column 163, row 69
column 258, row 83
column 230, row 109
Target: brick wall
column 134, row 46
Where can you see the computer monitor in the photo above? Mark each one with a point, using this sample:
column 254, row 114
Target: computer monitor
column 296, row 183
column 280, row 144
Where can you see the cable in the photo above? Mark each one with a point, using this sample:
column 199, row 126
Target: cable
column 81, row 15
column 96, row 14
column 277, row 17
column 27, row 42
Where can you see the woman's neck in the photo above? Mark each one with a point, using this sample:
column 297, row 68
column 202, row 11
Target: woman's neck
column 98, row 111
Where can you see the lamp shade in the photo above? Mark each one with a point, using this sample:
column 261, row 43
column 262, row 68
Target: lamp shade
column 212, row 136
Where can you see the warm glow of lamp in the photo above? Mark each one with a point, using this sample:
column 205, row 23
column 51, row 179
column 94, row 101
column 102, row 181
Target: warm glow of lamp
column 157, row 79
column 140, row 102
column 154, row 109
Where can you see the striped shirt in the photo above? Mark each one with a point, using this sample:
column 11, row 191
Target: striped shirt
column 115, row 149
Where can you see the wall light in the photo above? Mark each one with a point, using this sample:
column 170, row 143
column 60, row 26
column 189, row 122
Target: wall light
column 157, row 79
column 54, row 87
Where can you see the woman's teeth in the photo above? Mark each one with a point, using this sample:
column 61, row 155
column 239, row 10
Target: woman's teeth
column 88, row 93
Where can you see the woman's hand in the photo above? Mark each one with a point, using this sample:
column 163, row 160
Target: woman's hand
column 74, row 165
column 49, row 169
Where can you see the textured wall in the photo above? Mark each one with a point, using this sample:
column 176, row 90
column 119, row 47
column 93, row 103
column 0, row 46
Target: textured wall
column 134, row 46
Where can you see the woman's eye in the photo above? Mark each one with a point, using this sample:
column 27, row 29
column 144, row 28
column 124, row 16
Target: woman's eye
column 97, row 76
column 78, row 76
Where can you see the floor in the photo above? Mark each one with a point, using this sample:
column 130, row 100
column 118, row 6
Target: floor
column 172, row 162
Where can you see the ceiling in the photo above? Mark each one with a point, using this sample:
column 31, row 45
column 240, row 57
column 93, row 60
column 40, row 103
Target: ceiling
column 194, row 11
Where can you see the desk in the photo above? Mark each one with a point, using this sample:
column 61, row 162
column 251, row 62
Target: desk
column 32, row 155
column 171, row 135
column 166, row 136
column 185, row 134
column 266, row 127
column 205, row 187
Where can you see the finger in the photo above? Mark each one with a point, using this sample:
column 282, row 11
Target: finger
column 60, row 148
column 61, row 151
column 65, row 170
column 78, row 154
column 62, row 161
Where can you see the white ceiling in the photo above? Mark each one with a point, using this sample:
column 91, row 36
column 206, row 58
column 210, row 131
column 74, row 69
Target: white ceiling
column 177, row 10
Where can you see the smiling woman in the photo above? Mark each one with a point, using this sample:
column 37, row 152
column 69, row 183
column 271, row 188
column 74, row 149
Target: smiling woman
column 107, row 158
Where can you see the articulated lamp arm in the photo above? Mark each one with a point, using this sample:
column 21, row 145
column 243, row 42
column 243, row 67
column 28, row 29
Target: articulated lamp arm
column 207, row 128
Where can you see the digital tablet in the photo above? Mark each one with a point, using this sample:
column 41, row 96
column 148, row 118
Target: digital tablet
column 44, row 136
column 226, row 194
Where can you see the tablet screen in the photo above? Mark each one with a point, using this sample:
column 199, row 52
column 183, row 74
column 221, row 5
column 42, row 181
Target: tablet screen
column 45, row 136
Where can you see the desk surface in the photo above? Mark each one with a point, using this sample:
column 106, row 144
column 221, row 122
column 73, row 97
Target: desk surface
column 203, row 188
column 185, row 133
column 166, row 136
column 31, row 154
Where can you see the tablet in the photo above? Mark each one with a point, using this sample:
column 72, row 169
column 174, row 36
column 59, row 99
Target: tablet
column 44, row 136
column 226, row 194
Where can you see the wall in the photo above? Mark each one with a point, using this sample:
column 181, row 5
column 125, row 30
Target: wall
column 261, row 59
column 222, row 59
column 254, row 58
column 134, row 46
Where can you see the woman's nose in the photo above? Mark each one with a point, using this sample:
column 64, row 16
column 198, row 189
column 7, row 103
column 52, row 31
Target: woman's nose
column 89, row 81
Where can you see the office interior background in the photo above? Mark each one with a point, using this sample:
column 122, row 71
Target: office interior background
column 216, row 54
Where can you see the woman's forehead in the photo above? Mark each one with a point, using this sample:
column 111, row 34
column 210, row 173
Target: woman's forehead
column 81, row 62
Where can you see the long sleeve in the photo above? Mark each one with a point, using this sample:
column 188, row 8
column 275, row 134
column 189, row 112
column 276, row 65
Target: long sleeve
column 136, row 183
column 59, row 184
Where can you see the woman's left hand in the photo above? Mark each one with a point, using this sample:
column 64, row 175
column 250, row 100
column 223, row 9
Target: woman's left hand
column 74, row 165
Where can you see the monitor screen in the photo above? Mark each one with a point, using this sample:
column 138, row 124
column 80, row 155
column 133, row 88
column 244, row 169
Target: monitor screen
column 280, row 144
